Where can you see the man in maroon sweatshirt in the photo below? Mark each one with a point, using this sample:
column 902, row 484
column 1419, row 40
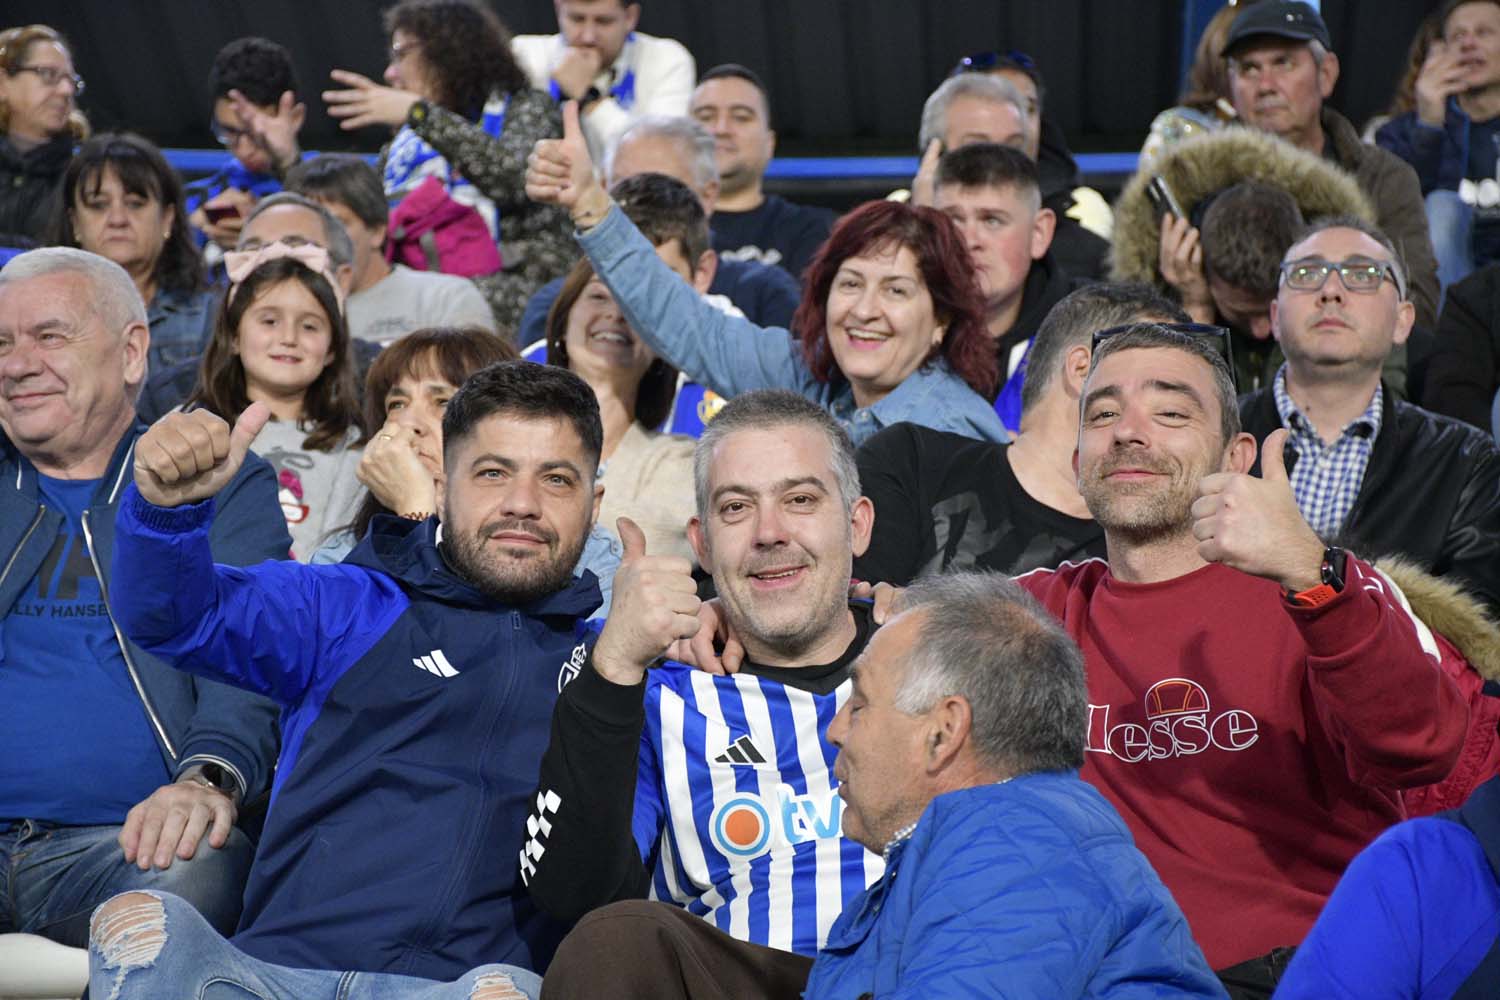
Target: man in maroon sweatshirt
column 1257, row 700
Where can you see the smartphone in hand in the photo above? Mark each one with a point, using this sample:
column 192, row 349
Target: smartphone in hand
column 1163, row 199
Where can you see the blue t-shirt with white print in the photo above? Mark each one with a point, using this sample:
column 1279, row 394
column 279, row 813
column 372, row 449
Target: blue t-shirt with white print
column 75, row 744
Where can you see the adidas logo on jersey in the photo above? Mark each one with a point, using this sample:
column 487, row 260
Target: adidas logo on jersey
column 741, row 751
column 435, row 663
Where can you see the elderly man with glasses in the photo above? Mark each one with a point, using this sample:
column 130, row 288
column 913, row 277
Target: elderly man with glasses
column 1381, row 474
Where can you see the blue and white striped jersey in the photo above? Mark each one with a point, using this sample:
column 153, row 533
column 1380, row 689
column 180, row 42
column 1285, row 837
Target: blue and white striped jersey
column 737, row 811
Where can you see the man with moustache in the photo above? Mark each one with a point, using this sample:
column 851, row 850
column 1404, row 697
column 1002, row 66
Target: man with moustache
column 1258, row 700
column 416, row 679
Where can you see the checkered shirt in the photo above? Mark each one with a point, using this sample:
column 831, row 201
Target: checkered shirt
column 1327, row 478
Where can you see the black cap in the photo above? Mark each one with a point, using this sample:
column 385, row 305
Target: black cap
column 1280, row 18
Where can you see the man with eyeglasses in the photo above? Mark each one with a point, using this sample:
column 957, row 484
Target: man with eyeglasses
column 256, row 116
column 1365, row 467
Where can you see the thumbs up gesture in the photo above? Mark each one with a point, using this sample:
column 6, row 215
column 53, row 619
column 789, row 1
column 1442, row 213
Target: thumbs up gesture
column 655, row 603
column 1254, row 525
column 561, row 172
column 187, row 457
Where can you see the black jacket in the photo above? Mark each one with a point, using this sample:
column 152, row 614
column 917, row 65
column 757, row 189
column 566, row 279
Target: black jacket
column 1431, row 492
column 1464, row 371
column 28, row 185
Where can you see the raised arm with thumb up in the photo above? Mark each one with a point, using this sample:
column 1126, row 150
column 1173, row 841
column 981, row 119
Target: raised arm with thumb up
column 655, row 603
column 187, row 457
column 561, row 172
column 1254, row 525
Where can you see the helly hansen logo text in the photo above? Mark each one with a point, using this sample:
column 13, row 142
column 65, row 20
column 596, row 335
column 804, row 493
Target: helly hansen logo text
column 1179, row 723
column 435, row 663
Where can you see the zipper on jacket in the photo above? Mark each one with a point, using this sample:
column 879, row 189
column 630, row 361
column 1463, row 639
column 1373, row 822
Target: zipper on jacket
column 135, row 677
column 40, row 510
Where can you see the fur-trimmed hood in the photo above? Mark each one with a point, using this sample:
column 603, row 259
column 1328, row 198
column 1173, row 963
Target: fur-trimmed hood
column 1446, row 608
column 1198, row 167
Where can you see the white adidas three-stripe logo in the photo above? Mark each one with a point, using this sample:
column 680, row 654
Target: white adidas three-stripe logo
column 435, row 663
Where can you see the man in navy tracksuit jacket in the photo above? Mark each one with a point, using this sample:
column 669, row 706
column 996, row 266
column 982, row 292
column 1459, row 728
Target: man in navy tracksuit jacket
column 416, row 681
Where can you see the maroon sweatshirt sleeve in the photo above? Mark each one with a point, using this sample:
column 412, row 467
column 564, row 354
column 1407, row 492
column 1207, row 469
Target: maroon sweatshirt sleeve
column 1375, row 673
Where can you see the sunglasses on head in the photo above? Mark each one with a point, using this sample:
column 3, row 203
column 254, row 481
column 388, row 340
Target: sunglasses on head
column 984, row 62
column 1215, row 336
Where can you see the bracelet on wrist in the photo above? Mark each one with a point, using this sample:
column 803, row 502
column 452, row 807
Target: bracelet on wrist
column 417, row 515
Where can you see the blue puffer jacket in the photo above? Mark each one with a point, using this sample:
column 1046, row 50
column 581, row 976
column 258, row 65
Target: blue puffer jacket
column 194, row 721
column 414, row 715
column 1028, row 888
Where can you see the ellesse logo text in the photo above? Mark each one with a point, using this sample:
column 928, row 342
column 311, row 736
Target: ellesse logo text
column 1180, row 722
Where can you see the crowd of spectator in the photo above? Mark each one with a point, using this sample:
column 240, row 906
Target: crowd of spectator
column 541, row 561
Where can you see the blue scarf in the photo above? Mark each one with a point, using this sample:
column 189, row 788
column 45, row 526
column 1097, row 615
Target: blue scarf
column 411, row 160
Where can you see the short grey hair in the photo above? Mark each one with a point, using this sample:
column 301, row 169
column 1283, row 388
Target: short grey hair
column 1147, row 335
column 693, row 139
column 1359, row 225
column 115, row 298
column 766, row 408
column 985, row 639
column 335, row 237
column 995, row 89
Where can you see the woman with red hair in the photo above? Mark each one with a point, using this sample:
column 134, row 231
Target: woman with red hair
column 890, row 329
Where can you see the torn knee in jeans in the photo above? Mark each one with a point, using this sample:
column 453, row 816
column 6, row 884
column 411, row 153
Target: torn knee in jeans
column 495, row 986
column 128, row 931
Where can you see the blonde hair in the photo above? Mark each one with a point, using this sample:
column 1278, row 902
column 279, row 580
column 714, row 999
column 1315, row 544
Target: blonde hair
column 15, row 43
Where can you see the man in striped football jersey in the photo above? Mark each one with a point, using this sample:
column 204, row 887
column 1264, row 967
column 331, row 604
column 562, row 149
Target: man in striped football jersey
column 717, row 792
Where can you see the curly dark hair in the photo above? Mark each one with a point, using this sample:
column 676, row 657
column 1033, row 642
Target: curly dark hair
column 466, row 49
column 256, row 67
column 143, row 172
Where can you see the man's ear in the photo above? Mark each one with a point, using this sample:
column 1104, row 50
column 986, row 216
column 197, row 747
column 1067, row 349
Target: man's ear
column 136, row 340
column 344, row 274
column 1328, row 74
column 632, row 15
column 704, row 270
column 1043, row 226
column 699, row 541
column 598, row 499
column 1241, row 453
column 1076, row 370
column 951, row 720
column 440, row 493
column 1406, row 315
column 861, row 523
column 770, row 143
column 377, row 239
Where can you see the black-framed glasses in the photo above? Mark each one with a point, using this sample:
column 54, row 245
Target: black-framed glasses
column 985, row 62
column 1205, row 333
column 1363, row 277
column 52, row 76
column 228, row 135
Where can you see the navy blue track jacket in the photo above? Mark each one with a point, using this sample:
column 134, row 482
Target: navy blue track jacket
column 414, row 714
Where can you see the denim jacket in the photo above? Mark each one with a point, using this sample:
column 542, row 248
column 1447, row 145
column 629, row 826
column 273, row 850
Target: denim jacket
column 731, row 355
column 181, row 325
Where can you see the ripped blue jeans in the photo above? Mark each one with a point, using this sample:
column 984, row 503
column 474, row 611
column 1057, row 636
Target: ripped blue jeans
column 153, row 945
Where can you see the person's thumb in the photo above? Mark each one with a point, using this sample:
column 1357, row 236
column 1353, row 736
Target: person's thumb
column 572, row 131
column 933, row 153
column 245, row 429
column 632, row 538
column 1272, row 456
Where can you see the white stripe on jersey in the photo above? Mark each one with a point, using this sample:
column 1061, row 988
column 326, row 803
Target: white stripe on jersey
column 788, row 891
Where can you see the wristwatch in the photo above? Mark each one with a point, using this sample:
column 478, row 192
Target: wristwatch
column 417, row 113
column 213, row 776
column 589, row 97
column 1331, row 573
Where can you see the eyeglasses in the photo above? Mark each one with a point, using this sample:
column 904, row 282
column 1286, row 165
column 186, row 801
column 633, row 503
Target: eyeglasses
column 399, row 52
column 228, row 135
column 1362, row 277
column 52, row 76
column 1216, row 337
column 984, row 62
